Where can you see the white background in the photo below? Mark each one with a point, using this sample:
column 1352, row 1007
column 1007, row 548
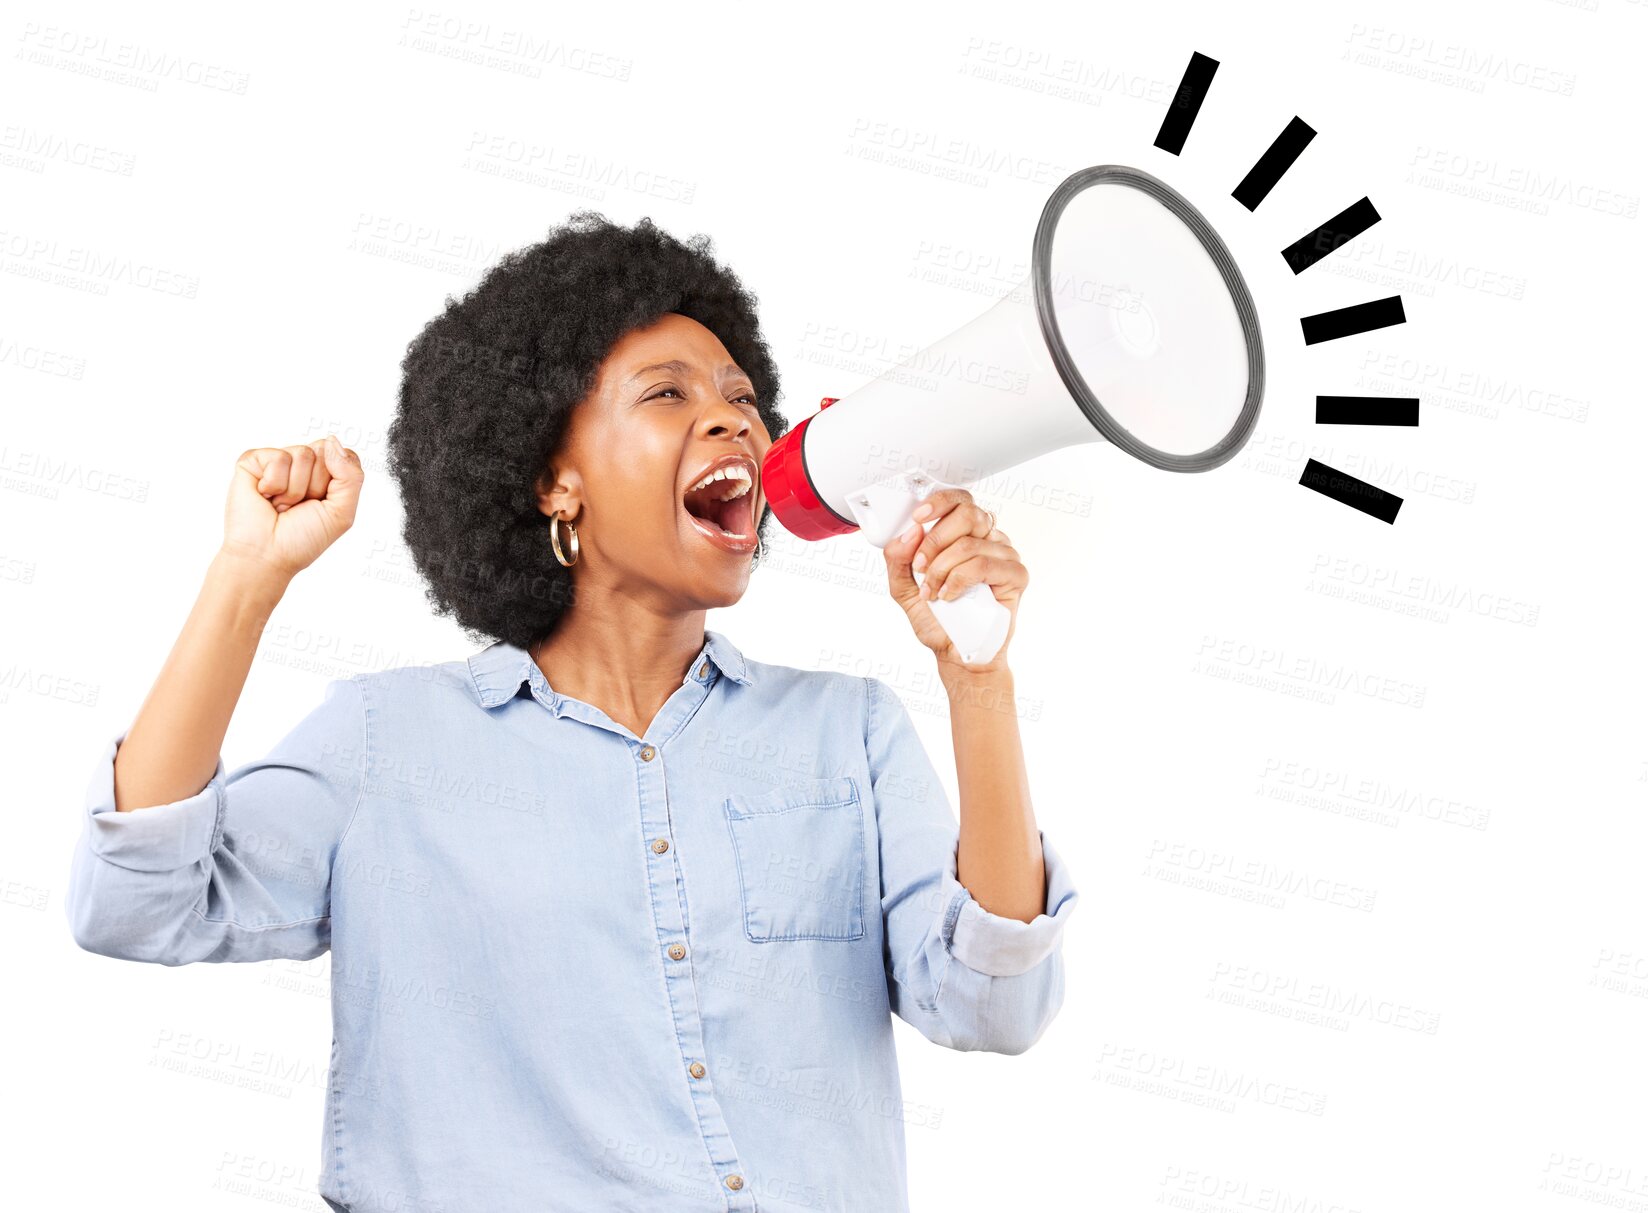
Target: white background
column 1244, row 704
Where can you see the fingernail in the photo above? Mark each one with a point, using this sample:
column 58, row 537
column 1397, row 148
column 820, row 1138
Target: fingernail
column 920, row 561
column 908, row 532
column 922, row 511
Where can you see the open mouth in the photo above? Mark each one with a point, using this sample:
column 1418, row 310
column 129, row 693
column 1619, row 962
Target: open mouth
column 724, row 501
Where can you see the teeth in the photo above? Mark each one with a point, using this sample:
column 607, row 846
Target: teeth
column 736, row 472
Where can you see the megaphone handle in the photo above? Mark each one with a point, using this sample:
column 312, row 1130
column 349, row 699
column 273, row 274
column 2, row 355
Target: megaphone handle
column 974, row 621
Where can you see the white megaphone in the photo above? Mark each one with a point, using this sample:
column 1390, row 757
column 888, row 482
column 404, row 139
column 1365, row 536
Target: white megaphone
column 1133, row 326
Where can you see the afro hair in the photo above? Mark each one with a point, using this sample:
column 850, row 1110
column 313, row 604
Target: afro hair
column 487, row 389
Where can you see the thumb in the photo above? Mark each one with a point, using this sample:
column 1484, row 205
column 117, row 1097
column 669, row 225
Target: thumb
column 344, row 467
column 898, row 553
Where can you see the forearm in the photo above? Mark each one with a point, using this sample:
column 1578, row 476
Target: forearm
column 172, row 747
column 999, row 855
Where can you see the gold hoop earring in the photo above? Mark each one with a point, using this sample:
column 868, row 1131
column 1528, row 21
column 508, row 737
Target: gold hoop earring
column 555, row 540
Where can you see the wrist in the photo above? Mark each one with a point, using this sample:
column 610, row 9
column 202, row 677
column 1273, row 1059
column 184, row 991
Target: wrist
column 985, row 685
column 255, row 581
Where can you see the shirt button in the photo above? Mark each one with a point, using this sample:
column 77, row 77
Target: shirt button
column 735, row 1182
column 647, row 752
column 696, row 1069
column 704, row 669
column 660, row 845
column 677, row 951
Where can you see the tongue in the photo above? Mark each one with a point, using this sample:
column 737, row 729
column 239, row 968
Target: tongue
column 735, row 515
column 729, row 516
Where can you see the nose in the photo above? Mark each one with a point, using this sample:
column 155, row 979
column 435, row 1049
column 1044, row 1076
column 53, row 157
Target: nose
column 715, row 421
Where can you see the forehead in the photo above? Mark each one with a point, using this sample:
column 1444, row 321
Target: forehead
column 685, row 345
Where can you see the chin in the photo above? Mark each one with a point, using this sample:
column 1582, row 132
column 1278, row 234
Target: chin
column 706, row 597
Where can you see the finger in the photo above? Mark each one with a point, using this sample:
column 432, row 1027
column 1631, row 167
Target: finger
column 965, row 548
column 995, row 571
column 898, row 552
column 297, row 477
column 965, row 518
column 940, row 502
column 319, row 477
column 276, row 470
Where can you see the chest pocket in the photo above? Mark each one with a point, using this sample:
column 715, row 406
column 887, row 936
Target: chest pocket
column 800, row 854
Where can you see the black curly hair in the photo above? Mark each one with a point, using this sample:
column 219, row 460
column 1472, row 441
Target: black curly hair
column 487, row 389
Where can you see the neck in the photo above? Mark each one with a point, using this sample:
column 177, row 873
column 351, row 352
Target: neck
column 625, row 657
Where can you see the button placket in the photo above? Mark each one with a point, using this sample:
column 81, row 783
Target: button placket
column 665, row 878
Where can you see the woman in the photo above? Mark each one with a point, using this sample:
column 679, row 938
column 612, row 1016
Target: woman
column 617, row 915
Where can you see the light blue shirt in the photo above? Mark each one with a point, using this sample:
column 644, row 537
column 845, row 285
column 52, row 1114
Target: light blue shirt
column 576, row 969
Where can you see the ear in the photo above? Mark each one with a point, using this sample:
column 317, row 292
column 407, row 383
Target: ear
column 560, row 492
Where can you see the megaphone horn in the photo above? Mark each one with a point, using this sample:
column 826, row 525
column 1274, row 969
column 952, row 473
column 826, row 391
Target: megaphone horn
column 1133, row 326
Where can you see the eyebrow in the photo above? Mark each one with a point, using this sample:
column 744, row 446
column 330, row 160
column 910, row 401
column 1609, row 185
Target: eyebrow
column 676, row 367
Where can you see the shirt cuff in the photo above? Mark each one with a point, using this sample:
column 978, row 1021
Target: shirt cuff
column 1005, row 947
column 157, row 838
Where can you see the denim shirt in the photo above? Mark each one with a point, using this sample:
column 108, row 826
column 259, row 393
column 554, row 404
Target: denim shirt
column 577, row 969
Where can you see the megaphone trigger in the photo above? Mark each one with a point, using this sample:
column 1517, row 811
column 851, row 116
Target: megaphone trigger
column 883, row 510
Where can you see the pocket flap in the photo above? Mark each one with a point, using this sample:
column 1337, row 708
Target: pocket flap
column 795, row 794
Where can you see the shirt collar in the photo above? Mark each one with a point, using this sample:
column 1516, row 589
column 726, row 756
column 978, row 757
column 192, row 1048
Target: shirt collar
column 498, row 670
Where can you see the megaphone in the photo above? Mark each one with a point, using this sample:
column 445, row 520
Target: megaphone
column 1133, row 326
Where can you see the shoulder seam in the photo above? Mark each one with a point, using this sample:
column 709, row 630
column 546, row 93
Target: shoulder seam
column 359, row 682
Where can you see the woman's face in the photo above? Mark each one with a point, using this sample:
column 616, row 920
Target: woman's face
column 646, row 434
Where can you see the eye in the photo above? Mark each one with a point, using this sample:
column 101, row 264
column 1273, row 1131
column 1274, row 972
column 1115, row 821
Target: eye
column 749, row 396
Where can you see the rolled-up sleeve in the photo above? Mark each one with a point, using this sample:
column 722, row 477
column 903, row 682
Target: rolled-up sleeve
column 241, row 870
column 967, row 979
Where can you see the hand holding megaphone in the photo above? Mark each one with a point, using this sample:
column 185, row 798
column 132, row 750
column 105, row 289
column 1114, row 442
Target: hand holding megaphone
column 1133, row 327
column 960, row 581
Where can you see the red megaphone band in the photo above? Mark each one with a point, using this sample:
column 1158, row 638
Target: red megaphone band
column 790, row 491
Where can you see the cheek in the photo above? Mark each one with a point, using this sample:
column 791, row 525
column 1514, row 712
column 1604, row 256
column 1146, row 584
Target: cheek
column 636, row 488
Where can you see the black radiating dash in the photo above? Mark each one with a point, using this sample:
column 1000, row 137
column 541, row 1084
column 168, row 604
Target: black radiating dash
column 1349, row 490
column 1344, row 227
column 1367, row 410
column 1347, row 321
column 1278, row 158
column 1186, row 103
